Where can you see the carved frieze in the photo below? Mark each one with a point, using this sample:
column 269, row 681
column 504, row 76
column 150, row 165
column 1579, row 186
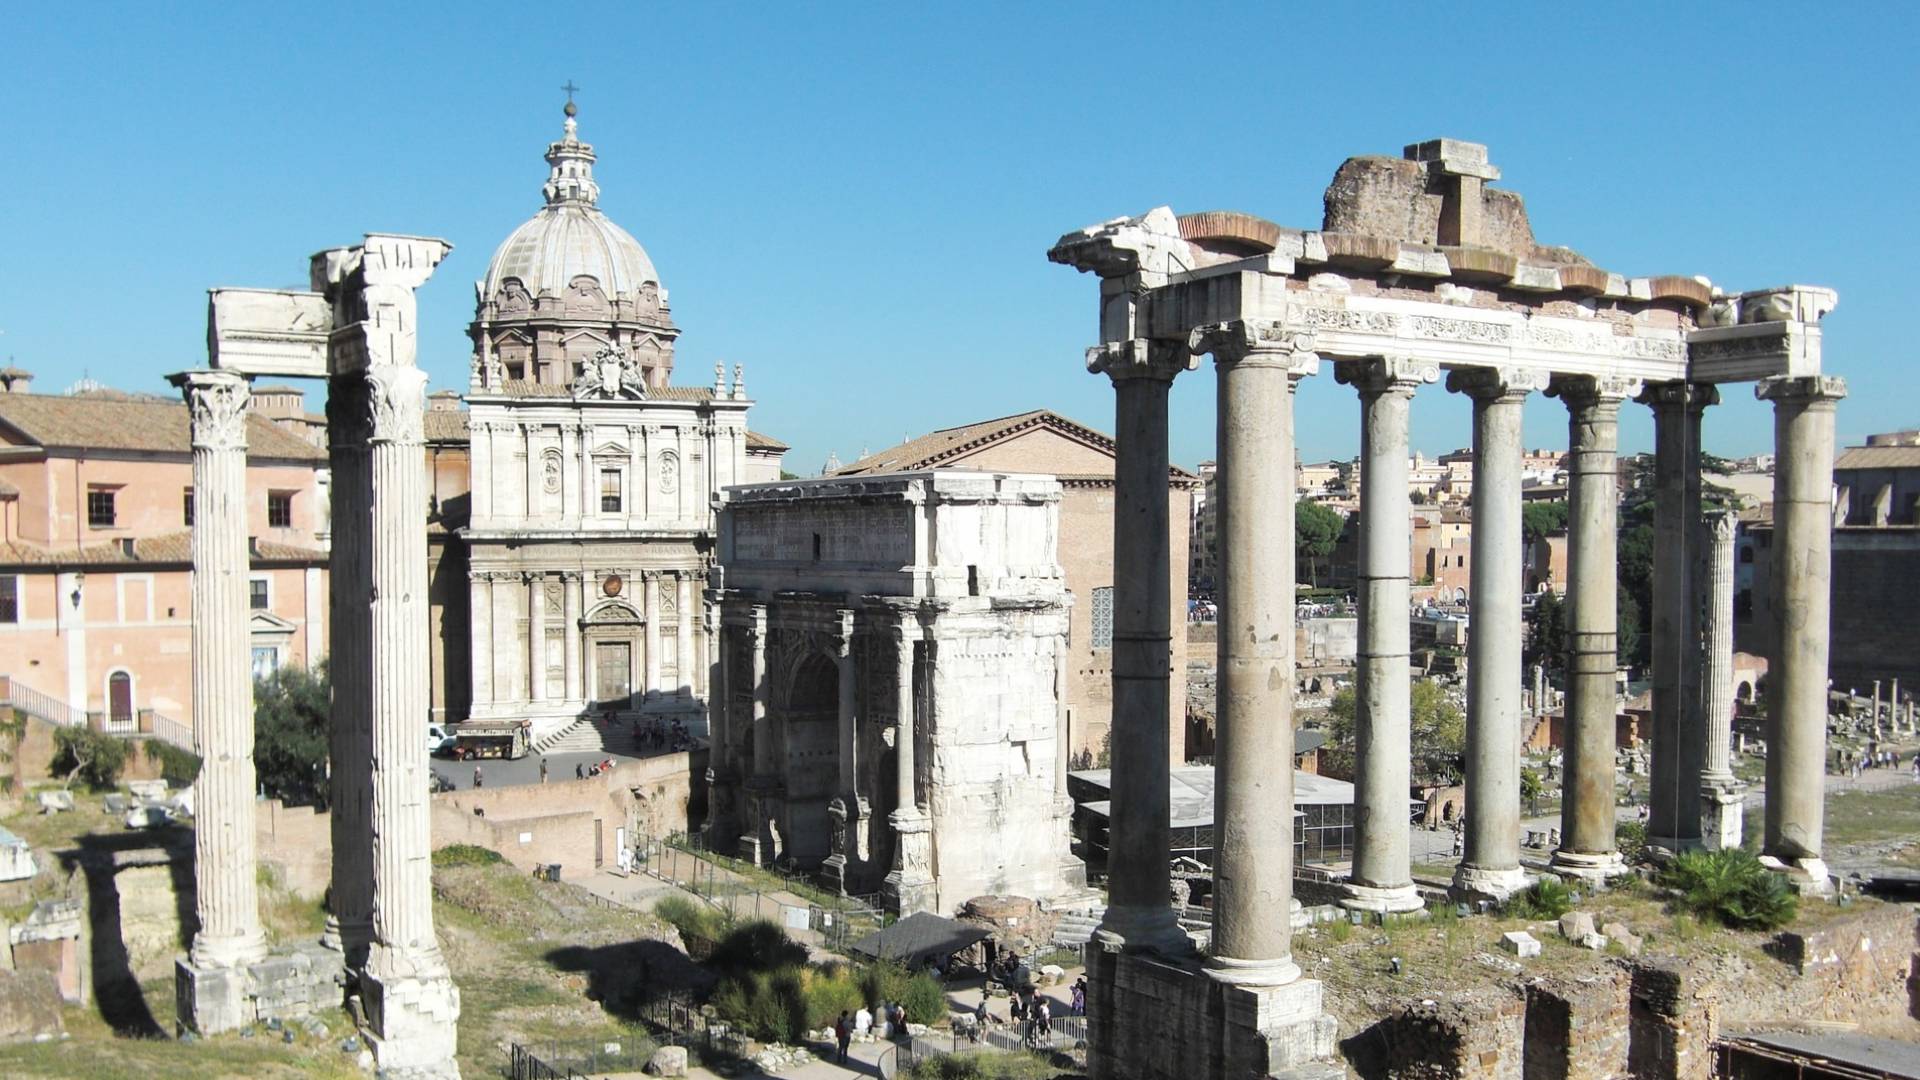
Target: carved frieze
column 396, row 401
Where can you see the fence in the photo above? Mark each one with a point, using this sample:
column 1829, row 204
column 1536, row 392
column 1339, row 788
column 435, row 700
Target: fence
column 1066, row 1037
column 34, row 703
column 555, row 1060
column 828, row 922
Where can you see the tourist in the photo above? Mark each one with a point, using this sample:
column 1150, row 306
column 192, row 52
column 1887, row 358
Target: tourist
column 579, row 770
column 1043, row 1016
column 843, row 1034
column 1016, row 1008
column 543, row 770
column 1079, row 1003
column 863, row 1022
column 478, row 778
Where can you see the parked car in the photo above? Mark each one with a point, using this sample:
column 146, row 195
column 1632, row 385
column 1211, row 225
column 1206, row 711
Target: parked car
column 439, row 740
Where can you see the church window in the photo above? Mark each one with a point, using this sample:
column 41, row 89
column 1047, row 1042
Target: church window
column 9, row 598
column 100, row 512
column 609, row 491
column 280, row 509
column 1102, row 615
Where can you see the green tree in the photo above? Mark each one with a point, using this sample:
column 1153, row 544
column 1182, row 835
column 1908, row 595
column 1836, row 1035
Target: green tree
column 1316, row 531
column 13, row 728
column 84, row 754
column 1439, row 737
column 1543, row 519
column 292, row 718
column 1547, row 635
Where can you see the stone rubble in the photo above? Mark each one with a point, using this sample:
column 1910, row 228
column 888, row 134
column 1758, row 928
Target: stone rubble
column 1520, row 943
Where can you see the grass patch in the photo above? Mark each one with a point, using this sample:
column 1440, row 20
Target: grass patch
column 466, row 855
column 1013, row 1066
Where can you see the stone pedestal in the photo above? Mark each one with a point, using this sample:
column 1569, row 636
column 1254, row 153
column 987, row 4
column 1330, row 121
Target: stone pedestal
column 909, row 887
column 288, row 984
column 1722, row 815
column 842, row 820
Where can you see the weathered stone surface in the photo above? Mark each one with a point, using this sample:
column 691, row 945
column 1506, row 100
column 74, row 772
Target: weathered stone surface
column 1592, row 940
column 52, row 802
column 1575, row 925
column 668, row 1061
column 1520, row 943
column 29, row 1006
column 1620, row 935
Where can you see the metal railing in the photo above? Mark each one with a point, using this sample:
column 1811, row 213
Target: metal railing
column 1065, row 1035
column 554, row 1060
column 835, row 924
column 167, row 729
column 45, row 707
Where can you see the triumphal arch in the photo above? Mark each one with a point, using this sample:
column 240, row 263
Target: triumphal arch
column 1420, row 268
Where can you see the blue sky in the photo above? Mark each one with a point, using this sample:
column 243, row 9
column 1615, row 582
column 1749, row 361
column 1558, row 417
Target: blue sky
column 856, row 201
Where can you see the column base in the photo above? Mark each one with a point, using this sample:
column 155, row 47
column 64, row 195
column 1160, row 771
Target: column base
column 210, row 1000
column 350, row 940
column 227, row 952
column 1594, row 866
column 1723, row 814
column 1251, row 973
column 1385, row 901
column 287, row 984
column 834, row 874
column 411, row 1016
column 910, row 887
column 1483, row 883
column 1152, row 929
column 1808, row 874
column 1676, row 844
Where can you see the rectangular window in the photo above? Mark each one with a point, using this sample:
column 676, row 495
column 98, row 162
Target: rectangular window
column 257, row 596
column 609, row 491
column 266, row 661
column 280, row 509
column 186, row 508
column 9, row 598
column 100, row 508
column 1102, row 616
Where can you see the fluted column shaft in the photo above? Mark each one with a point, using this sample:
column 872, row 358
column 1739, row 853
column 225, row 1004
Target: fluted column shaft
column 1801, row 602
column 225, row 887
column 536, row 638
column 403, row 938
column 683, row 664
column 762, row 725
column 349, row 737
column 1382, row 874
column 1717, row 688
column 570, row 631
column 480, row 634
column 1139, row 915
column 650, row 581
column 1253, row 732
column 1587, row 845
column 1673, row 817
column 906, row 794
column 848, row 716
column 1491, row 863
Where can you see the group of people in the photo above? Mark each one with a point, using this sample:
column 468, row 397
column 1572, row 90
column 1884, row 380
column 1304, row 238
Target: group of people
column 1875, row 758
column 652, row 736
column 861, row 1023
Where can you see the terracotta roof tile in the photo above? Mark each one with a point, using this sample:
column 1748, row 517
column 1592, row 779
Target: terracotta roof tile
column 102, row 423
column 445, row 426
column 932, row 450
column 1878, row 457
column 757, row 441
column 166, row 548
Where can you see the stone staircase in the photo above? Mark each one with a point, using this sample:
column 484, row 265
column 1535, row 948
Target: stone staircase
column 591, row 735
column 1075, row 928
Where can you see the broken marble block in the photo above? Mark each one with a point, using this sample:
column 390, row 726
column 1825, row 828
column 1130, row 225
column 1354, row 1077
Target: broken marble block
column 1520, row 943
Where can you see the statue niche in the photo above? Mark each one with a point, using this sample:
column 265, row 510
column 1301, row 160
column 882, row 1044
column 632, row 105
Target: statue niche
column 585, row 298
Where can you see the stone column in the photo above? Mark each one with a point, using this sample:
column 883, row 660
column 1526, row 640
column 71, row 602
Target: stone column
column 1139, row 912
column 479, row 643
column 1722, row 796
column 1382, row 877
column 909, row 887
column 536, row 637
column 1587, row 847
column 226, row 893
column 570, row 585
column 534, row 486
column 1673, row 819
column 1491, row 865
column 1800, row 599
column 573, row 466
column 650, row 602
column 1253, row 749
column 683, row 633
column 349, row 577
column 843, row 809
column 756, row 842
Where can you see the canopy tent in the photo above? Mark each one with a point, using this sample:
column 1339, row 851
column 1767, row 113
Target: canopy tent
column 920, row 937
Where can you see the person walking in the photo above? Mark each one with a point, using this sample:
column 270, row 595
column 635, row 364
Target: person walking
column 579, row 770
column 479, row 779
column 843, row 1034
column 1043, row 1017
column 543, row 770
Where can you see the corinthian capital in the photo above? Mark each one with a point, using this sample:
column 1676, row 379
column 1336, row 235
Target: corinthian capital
column 217, row 402
column 1491, row 384
column 1801, row 390
column 1695, row 397
column 1256, row 342
column 395, row 402
column 1150, row 243
column 1141, row 358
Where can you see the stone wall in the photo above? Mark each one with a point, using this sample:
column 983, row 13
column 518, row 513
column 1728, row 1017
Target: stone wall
column 1138, row 999
column 297, row 842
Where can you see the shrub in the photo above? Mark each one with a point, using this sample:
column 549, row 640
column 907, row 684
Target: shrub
column 829, row 992
column 1731, row 888
column 1547, row 898
column 84, row 754
column 925, row 1000
column 179, row 767
column 1014, row 1066
column 768, row 1005
column 883, row 982
column 756, row 946
column 1630, row 839
column 691, row 917
column 466, row 855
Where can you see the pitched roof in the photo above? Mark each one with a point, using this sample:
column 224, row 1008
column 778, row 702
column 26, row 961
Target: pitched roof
column 940, row 447
column 445, row 426
column 757, row 441
column 172, row 547
column 1878, row 457
column 102, row 423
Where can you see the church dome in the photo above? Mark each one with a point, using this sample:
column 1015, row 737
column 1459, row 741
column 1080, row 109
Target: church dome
column 569, row 239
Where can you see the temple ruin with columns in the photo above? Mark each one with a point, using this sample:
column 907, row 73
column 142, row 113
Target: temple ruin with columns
column 1421, row 267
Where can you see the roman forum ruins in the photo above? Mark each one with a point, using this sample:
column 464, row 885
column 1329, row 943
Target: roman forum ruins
column 356, row 329
column 1420, row 266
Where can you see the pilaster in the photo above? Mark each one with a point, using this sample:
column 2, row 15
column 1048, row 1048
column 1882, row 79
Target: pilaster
column 910, row 886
